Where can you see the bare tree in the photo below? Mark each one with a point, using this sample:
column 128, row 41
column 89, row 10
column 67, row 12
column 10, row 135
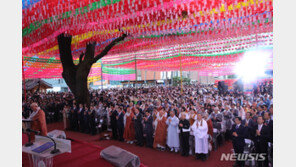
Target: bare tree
column 76, row 75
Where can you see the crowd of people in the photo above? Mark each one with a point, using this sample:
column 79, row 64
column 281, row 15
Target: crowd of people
column 193, row 122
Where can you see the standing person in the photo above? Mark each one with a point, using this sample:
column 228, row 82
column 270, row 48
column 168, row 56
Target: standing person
column 184, row 126
column 148, row 129
column 191, row 135
column 249, row 126
column 129, row 129
column 65, row 117
column 120, row 123
column 172, row 136
column 160, row 131
column 74, row 118
column 227, row 115
column 261, row 141
column 113, row 114
column 138, row 127
column 269, row 123
column 200, row 131
column 216, row 118
column 210, row 127
column 238, row 141
column 80, row 117
column 92, row 121
column 38, row 121
column 86, row 120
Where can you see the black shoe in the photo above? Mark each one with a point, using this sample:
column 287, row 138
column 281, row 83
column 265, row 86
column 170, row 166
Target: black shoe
column 186, row 155
column 197, row 156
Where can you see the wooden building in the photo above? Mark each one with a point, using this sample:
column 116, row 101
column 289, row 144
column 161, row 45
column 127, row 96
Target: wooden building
column 33, row 85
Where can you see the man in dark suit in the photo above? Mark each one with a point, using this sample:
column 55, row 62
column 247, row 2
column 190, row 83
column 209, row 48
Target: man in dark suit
column 184, row 127
column 249, row 126
column 148, row 129
column 92, row 121
column 86, row 119
column 138, row 127
column 113, row 115
column 120, row 124
column 261, row 141
column 74, row 118
column 80, row 117
column 269, row 123
column 238, row 140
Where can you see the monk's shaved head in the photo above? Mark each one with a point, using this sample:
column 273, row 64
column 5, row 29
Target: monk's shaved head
column 34, row 105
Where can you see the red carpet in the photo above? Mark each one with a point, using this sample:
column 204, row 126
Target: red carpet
column 84, row 154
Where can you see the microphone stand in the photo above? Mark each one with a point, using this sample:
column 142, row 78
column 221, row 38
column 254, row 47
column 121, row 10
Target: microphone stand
column 55, row 150
column 29, row 143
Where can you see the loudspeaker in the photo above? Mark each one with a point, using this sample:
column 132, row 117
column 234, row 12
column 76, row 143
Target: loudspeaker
column 120, row 157
column 222, row 87
column 238, row 85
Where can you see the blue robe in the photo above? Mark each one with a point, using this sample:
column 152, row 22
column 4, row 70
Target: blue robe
column 173, row 136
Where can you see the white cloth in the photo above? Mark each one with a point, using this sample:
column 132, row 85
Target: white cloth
column 187, row 116
column 34, row 113
column 127, row 114
column 260, row 127
column 172, row 135
column 201, row 137
column 158, row 118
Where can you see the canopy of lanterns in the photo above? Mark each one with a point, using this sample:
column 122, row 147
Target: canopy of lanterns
column 209, row 36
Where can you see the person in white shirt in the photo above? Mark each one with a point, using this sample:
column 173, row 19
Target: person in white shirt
column 200, row 132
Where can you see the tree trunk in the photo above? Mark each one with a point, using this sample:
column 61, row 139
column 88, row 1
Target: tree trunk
column 75, row 76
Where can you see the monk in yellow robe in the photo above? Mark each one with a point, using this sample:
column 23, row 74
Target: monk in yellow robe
column 38, row 121
column 160, row 131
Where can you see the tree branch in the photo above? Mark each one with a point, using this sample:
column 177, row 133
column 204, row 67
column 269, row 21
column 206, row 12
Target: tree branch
column 107, row 48
column 64, row 43
column 81, row 57
column 90, row 52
